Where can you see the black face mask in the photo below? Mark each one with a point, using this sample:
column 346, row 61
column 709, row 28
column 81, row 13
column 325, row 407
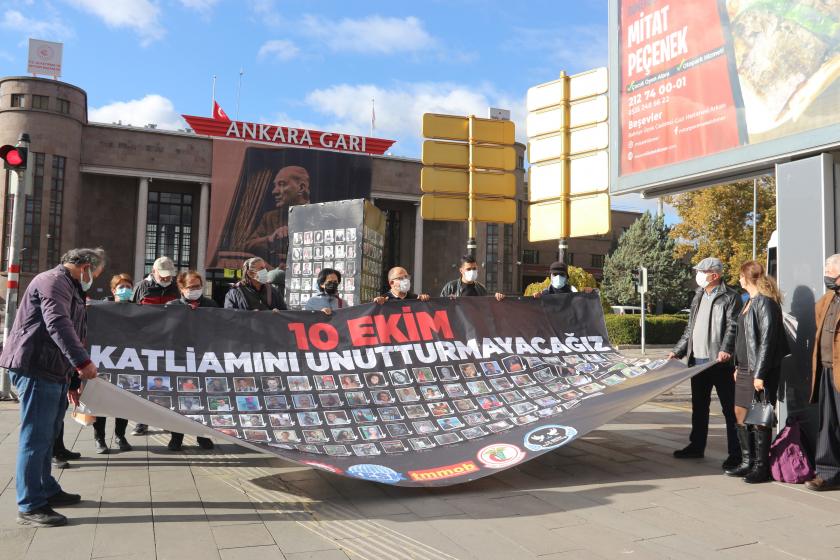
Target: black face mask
column 331, row 287
column 831, row 283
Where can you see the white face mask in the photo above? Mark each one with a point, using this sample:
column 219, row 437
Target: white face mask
column 701, row 279
column 262, row 276
column 193, row 295
column 86, row 284
column 404, row 285
column 471, row 275
column 558, row 281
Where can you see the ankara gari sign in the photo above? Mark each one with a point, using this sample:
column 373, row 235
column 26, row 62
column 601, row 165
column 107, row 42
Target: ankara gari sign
column 222, row 127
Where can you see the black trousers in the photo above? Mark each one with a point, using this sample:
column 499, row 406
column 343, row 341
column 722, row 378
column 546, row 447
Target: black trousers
column 58, row 445
column 721, row 378
column 99, row 427
column 827, row 455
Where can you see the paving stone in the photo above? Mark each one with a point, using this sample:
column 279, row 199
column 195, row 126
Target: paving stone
column 242, row 535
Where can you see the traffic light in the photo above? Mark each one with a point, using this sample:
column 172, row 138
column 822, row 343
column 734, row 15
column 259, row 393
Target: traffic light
column 14, row 157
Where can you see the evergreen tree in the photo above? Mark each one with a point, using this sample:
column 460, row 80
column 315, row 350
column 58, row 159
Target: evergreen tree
column 646, row 243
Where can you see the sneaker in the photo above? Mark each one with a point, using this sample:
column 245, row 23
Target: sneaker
column 41, row 517
column 689, row 453
column 62, row 498
column 101, row 446
column 123, row 443
column 67, row 455
column 60, row 463
column 140, row 430
column 174, row 445
column 205, row 443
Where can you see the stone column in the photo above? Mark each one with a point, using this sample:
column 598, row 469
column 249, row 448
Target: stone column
column 140, row 233
column 417, row 273
column 203, row 218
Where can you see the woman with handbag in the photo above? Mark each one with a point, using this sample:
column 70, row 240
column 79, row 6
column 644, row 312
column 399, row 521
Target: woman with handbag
column 759, row 348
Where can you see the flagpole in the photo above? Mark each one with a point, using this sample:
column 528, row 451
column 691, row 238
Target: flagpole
column 213, row 106
column 372, row 115
column 239, row 91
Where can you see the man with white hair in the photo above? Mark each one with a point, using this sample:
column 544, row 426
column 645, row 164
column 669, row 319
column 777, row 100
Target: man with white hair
column 710, row 337
column 825, row 381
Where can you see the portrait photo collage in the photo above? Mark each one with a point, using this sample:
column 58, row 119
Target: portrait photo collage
column 312, row 250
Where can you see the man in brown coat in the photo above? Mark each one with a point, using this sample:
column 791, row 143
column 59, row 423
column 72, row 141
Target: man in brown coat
column 825, row 381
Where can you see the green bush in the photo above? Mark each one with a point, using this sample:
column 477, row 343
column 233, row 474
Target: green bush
column 660, row 329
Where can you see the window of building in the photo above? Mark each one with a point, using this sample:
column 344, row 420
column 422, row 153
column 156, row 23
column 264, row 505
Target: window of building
column 530, row 256
column 491, row 266
column 40, row 102
column 56, row 205
column 598, row 261
column 392, row 245
column 31, row 243
column 169, row 229
column 63, row 106
column 507, row 259
column 520, row 162
column 17, row 100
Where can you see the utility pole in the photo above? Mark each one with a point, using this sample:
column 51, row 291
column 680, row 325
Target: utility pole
column 20, row 184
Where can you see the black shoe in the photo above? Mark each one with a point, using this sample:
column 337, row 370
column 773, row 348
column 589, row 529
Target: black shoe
column 140, row 430
column 123, row 443
column 688, row 453
column 41, row 517
column 174, row 445
column 62, row 498
column 205, row 443
column 745, row 462
column 60, row 463
column 761, row 468
column 101, row 446
column 731, row 462
column 67, row 455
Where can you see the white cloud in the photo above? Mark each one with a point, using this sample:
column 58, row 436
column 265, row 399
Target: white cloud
column 151, row 109
column 203, row 6
column 572, row 49
column 399, row 109
column 142, row 16
column 278, row 49
column 373, row 34
column 14, row 20
column 265, row 11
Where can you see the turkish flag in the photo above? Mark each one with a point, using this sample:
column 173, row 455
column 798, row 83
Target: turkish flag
column 219, row 113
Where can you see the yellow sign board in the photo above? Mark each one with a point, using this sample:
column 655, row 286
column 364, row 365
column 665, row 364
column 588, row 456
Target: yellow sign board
column 456, row 209
column 587, row 216
column 485, row 183
column 452, row 154
column 451, row 127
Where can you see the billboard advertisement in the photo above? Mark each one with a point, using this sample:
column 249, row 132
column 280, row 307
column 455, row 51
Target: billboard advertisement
column 254, row 186
column 708, row 89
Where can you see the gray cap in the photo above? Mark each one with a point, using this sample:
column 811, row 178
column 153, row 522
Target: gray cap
column 711, row 264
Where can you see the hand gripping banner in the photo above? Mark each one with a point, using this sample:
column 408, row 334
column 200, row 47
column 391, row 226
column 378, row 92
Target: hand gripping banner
column 406, row 393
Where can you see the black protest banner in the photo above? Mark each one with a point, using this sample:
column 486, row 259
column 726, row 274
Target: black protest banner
column 407, row 393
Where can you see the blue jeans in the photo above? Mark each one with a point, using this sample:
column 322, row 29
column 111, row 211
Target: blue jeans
column 41, row 416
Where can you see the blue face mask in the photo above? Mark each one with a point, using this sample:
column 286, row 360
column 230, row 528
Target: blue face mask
column 123, row 293
column 558, row 281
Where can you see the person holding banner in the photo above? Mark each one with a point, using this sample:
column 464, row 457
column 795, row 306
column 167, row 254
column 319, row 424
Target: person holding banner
column 327, row 299
column 710, row 337
column 400, row 283
column 44, row 351
column 760, row 346
column 253, row 292
column 467, row 284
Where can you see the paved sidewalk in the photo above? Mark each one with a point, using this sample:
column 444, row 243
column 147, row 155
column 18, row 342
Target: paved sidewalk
column 615, row 493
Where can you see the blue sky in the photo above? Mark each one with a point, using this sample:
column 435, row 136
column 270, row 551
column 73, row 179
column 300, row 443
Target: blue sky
column 312, row 64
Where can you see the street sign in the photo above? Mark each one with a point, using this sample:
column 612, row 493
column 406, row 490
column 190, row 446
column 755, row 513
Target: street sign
column 448, row 180
column 453, row 127
column 592, row 217
column 454, row 154
column 456, row 209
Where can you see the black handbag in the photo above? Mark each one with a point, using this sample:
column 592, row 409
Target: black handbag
column 761, row 412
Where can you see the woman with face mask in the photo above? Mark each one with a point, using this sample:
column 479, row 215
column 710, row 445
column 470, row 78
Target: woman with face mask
column 191, row 286
column 327, row 299
column 254, row 292
column 760, row 345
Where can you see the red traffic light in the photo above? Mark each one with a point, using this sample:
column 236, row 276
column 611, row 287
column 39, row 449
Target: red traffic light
column 14, row 157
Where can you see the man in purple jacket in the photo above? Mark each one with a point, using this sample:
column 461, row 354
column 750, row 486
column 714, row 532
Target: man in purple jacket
column 44, row 349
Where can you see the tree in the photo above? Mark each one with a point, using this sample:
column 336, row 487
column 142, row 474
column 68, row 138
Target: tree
column 717, row 222
column 646, row 243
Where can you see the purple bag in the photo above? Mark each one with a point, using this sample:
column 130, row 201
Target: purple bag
column 788, row 460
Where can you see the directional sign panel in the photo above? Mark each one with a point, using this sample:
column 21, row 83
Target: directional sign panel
column 485, row 183
column 451, row 127
column 588, row 216
column 456, row 209
column 452, row 154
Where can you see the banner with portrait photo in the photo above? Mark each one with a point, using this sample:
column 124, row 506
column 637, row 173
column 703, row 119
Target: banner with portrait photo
column 254, row 186
column 407, row 393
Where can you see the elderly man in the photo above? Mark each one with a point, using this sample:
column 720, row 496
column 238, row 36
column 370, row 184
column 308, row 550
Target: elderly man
column 253, row 292
column 400, row 283
column 45, row 355
column 825, row 381
column 710, row 337
column 467, row 284
column 270, row 239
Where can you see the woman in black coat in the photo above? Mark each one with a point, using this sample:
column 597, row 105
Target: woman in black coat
column 759, row 348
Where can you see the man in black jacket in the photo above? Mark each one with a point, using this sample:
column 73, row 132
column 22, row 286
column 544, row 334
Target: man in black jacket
column 467, row 284
column 710, row 337
column 254, row 292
